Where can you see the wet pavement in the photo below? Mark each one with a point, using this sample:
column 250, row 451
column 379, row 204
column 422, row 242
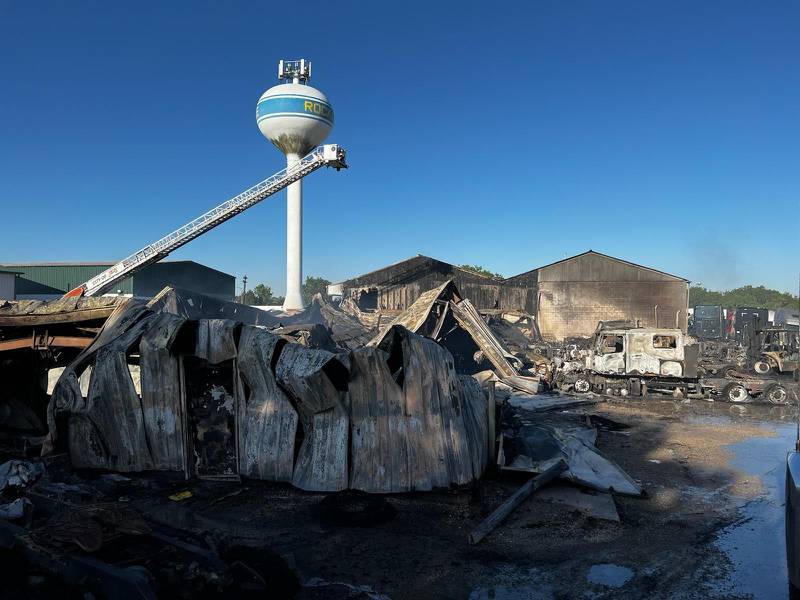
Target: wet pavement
column 752, row 547
column 609, row 575
column 756, row 544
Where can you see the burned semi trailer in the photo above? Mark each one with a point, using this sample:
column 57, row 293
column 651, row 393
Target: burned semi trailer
column 708, row 322
column 748, row 321
column 626, row 360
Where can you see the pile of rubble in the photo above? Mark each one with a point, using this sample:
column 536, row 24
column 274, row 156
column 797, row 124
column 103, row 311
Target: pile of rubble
column 189, row 388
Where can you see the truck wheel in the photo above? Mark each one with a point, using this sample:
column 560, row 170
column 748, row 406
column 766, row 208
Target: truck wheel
column 762, row 367
column 776, row 394
column 735, row 392
column 582, row 385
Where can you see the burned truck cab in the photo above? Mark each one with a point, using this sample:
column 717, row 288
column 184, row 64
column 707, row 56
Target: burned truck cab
column 643, row 351
column 629, row 360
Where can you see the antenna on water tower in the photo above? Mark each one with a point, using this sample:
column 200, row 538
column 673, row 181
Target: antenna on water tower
column 295, row 117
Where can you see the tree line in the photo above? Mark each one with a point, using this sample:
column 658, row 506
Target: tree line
column 261, row 294
column 748, row 295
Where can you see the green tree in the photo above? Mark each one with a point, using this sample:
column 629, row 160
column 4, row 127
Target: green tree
column 261, row 295
column 312, row 286
column 748, row 295
column 264, row 295
column 481, row 271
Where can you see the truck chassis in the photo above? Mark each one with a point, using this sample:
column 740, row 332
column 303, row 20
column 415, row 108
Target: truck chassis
column 737, row 389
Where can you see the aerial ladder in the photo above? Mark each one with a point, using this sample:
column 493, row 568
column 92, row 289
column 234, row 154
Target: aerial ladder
column 328, row 155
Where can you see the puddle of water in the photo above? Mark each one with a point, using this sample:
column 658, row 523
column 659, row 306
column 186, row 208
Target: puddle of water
column 756, row 546
column 609, row 575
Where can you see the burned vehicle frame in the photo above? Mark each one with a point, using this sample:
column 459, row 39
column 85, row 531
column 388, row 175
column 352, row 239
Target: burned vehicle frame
column 780, row 351
column 627, row 360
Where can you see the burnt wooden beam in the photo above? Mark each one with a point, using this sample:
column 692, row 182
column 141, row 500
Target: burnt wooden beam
column 506, row 508
column 31, row 341
column 73, row 316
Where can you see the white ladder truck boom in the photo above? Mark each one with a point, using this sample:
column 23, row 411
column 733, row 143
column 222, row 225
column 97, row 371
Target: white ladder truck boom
column 329, row 155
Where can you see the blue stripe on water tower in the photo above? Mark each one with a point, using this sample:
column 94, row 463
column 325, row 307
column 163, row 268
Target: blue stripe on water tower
column 295, row 106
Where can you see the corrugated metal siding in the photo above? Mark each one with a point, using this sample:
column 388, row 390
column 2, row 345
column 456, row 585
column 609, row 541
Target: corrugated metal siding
column 59, row 279
column 401, row 297
column 186, row 275
column 399, row 285
column 56, row 280
column 7, row 286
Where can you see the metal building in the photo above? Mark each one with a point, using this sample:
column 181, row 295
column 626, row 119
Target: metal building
column 48, row 281
column 397, row 286
column 8, row 285
column 571, row 296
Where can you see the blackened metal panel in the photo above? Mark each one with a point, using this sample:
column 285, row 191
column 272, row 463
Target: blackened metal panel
column 164, row 418
column 267, row 419
column 211, row 406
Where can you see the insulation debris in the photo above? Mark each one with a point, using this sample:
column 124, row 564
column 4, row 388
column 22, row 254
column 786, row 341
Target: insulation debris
column 530, row 442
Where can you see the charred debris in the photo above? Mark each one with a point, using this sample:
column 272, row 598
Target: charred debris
column 115, row 411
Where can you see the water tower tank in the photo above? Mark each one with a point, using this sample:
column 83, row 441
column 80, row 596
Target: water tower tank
column 294, row 116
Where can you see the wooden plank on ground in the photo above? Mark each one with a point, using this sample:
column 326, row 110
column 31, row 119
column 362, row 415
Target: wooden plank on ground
column 507, row 507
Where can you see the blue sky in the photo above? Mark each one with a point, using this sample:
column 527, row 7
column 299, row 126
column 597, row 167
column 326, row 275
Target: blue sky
column 504, row 134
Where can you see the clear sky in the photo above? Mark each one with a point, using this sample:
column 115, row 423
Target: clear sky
column 503, row 134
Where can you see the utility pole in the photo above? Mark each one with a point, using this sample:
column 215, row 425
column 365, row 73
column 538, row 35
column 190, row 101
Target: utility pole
column 244, row 287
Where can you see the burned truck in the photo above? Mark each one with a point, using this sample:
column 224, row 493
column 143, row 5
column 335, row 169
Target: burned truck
column 628, row 360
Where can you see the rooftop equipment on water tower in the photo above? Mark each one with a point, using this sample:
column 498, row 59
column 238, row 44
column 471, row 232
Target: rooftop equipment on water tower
column 295, row 117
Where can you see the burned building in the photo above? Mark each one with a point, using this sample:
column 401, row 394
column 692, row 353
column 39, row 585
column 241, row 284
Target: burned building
column 218, row 399
column 397, row 287
column 567, row 298
column 571, row 296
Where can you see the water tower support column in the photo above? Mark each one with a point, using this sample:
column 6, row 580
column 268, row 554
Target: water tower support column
column 294, row 241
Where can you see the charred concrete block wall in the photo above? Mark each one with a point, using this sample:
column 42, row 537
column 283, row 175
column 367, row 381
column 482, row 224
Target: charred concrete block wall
column 574, row 308
column 571, row 296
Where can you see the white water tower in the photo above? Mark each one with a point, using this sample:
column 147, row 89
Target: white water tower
column 295, row 117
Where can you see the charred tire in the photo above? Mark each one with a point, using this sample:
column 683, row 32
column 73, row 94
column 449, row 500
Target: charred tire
column 582, row 385
column 776, row 394
column 762, row 367
column 736, row 393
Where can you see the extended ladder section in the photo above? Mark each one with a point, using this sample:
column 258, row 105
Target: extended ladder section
column 329, row 155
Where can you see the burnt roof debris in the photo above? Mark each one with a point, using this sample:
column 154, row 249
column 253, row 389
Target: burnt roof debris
column 345, row 329
column 220, row 399
column 445, row 316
